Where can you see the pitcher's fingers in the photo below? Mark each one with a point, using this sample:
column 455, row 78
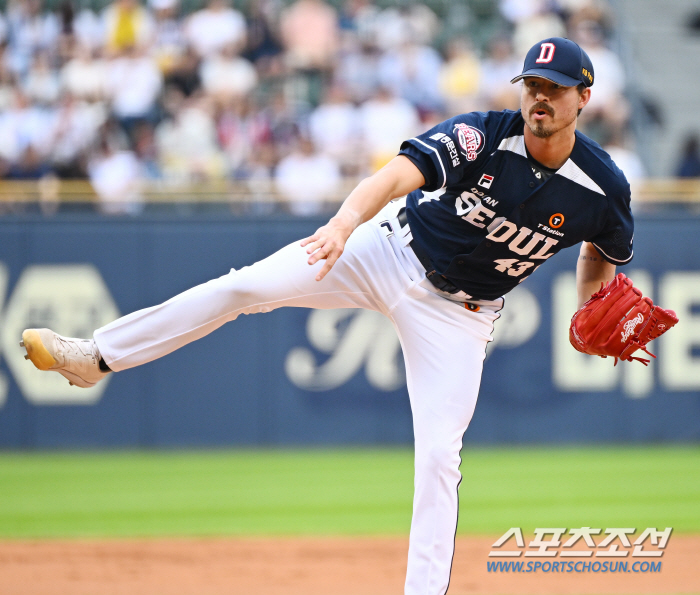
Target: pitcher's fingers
column 318, row 254
column 305, row 241
column 328, row 265
column 318, row 244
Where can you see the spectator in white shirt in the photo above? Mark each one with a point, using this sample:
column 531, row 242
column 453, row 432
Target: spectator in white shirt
column 214, row 27
column 116, row 177
column 188, row 144
column 76, row 128
column 133, row 84
column 89, row 29
column 226, row 76
column 386, row 121
column 333, row 126
column 42, row 83
column 306, row 179
column 85, row 76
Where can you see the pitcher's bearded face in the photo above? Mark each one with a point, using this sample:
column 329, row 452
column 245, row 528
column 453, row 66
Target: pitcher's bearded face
column 547, row 107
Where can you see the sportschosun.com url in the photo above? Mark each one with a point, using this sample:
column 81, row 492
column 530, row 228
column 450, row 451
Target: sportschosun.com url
column 573, row 566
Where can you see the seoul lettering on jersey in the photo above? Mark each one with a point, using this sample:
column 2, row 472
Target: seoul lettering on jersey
column 490, row 221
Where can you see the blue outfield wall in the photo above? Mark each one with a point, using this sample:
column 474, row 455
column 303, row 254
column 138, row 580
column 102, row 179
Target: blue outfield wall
column 298, row 376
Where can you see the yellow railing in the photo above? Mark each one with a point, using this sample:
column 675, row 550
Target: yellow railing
column 77, row 191
column 653, row 191
column 667, row 190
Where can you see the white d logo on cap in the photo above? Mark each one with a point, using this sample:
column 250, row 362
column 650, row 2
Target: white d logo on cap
column 546, row 53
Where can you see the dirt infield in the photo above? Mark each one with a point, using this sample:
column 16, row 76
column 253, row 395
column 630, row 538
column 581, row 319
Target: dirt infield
column 304, row 566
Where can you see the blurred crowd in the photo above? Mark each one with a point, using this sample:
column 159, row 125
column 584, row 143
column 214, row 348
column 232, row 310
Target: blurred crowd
column 293, row 94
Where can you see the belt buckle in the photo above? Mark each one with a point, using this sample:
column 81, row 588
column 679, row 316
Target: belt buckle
column 402, row 218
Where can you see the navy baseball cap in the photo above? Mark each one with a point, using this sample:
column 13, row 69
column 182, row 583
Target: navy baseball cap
column 558, row 60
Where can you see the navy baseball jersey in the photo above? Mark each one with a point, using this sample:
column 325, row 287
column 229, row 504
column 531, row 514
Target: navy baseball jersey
column 489, row 215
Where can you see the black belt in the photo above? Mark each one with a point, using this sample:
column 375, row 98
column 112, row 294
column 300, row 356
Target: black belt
column 439, row 281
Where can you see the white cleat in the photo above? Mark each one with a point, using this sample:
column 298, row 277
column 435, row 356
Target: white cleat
column 78, row 360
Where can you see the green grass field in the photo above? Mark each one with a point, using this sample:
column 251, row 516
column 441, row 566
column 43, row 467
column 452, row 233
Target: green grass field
column 340, row 492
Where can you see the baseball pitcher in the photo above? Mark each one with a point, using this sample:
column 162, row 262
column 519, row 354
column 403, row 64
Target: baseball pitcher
column 433, row 241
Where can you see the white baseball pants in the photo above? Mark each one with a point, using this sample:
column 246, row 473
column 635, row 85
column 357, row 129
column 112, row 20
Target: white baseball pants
column 443, row 345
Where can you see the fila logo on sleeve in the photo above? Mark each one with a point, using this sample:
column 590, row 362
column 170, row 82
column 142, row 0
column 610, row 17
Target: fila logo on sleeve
column 485, row 181
column 546, row 53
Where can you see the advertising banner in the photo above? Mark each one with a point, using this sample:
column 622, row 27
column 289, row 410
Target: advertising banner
column 297, row 376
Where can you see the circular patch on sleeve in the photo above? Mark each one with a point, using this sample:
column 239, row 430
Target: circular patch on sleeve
column 471, row 140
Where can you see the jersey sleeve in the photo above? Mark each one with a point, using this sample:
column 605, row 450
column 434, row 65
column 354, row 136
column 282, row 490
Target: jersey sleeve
column 447, row 152
column 615, row 242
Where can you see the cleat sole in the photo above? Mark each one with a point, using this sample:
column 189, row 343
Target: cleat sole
column 75, row 380
column 36, row 352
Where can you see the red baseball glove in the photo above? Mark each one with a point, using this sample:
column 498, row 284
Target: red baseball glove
column 617, row 321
